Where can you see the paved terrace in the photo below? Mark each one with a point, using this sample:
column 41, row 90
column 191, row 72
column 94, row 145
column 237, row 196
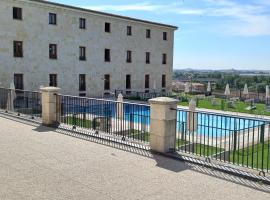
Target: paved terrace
column 42, row 163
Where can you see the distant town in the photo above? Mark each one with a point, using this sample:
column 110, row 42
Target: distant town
column 255, row 79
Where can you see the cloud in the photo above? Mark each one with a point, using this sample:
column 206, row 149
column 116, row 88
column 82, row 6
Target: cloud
column 146, row 6
column 250, row 18
column 175, row 8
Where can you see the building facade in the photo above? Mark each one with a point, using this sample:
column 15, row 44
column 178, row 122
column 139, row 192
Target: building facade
column 83, row 52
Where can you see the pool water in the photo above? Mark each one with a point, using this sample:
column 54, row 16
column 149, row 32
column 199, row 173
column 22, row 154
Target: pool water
column 212, row 125
column 209, row 125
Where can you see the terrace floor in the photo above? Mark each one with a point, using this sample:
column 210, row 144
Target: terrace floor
column 42, row 163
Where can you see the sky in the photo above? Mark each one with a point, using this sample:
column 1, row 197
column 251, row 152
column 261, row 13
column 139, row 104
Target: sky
column 212, row 34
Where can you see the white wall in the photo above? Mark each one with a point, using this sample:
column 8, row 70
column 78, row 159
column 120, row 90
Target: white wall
column 37, row 34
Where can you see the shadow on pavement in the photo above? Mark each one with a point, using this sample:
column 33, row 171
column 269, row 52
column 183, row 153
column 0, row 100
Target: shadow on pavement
column 164, row 162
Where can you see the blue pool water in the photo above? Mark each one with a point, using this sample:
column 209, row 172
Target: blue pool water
column 210, row 125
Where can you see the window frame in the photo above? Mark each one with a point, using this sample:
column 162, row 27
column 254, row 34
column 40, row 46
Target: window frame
column 165, row 36
column 129, row 30
column 148, row 33
column 164, row 59
column 17, row 16
column 107, row 82
column 163, row 81
column 53, row 80
column 128, row 82
column 107, row 27
column 147, row 57
column 147, row 81
column 82, row 82
column 82, row 53
column 53, row 51
column 16, row 82
column 129, row 56
column 107, row 55
column 82, row 23
column 52, row 19
column 18, row 49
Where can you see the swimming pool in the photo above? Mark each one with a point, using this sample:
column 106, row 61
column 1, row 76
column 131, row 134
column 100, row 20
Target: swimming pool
column 216, row 125
column 208, row 124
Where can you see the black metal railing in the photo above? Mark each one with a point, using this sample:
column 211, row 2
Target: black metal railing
column 127, row 121
column 21, row 102
column 237, row 140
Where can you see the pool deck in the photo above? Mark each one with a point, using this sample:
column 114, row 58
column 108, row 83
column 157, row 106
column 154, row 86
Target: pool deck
column 229, row 113
column 37, row 162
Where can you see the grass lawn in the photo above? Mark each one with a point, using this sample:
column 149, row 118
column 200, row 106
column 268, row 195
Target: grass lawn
column 74, row 121
column 138, row 135
column 253, row 156
column 200, row 149
column 239, row 106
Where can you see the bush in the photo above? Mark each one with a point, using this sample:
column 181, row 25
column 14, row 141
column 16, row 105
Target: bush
column 184, row 99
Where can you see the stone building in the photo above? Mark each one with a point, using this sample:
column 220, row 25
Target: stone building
column 84, row 52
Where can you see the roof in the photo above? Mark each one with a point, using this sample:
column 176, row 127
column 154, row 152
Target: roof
column 105, row 14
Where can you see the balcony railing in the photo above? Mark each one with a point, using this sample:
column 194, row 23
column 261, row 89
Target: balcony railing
column 21, row 102
column 236, row 140
column 127, row 121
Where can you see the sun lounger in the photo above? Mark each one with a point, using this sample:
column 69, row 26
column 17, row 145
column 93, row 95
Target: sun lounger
column 249, row 108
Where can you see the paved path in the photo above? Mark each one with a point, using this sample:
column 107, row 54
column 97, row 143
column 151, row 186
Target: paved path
column 39, row 163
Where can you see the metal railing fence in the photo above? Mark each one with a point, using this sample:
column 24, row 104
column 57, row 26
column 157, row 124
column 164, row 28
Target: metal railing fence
column 236, row 140
column 127, row 121
column 21, row 102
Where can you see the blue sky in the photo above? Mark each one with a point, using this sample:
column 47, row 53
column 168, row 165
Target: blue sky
column 213, row 34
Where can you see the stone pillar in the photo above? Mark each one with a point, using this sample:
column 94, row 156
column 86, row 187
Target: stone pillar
column 49, row 105
column 192, row 117
column 163, row 124
column 120, row 107
column 120, row 113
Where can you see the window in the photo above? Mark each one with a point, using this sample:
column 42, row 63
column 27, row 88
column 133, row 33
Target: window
column 82, row 53
column 146, row 81
column 129, row 30
column 53, row 51
column 107, row 27
column 107, row 55
column 148, row 33
column 147, row 57
column 18, row 81
column 52, row 18
column 128, row 81
column 53, row 80
column 107, row 82
column 165, row 36
column 164, row 59
column 82, row 82
column 163, row 84
column 129, row 56
column 82, row 95
column 17, row 13
column 82, row 23
column 18, row 48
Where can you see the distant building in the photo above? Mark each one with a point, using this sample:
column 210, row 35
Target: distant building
column 196, row 87
column 83, row 52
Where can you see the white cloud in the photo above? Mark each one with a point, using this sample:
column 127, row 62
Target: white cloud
column 243, row 19
column 246, row 19
column 176, row 8
column 129, row 7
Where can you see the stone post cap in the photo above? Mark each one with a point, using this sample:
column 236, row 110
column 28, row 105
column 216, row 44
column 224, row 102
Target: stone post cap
column 50, row 89
column 163, row 100
column 120, row 97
